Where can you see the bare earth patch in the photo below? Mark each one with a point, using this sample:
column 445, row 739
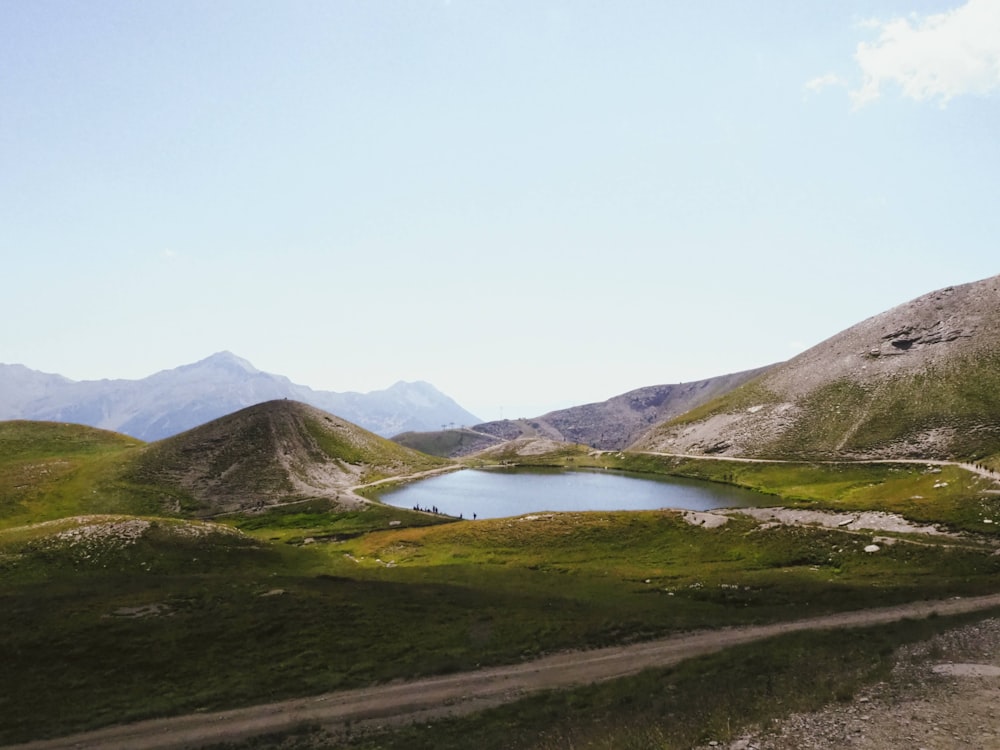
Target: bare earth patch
column 943, row 694
column 157, row 609
column 706, row 520
column 869, row 520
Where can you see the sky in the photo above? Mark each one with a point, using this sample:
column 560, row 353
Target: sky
column 529, row 204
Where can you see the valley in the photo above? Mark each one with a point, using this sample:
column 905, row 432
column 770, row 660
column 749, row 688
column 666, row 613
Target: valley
column 242, row 568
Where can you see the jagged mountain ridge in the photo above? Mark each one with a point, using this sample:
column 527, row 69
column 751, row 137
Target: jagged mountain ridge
column 920, row 380
column 607, row 425
column 172, row 401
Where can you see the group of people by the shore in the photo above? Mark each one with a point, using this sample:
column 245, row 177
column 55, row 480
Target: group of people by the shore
column 434, row 509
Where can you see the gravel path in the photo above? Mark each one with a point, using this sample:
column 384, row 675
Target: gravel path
column 467, row 692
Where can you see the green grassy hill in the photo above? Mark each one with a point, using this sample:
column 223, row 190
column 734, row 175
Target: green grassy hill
column 51, row 470
column 447, row 443
column 266, row 455
column 269, row 454
column 919, row 381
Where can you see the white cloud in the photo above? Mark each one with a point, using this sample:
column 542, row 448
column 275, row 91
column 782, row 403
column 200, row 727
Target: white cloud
column 822, row 82
column 937, row 56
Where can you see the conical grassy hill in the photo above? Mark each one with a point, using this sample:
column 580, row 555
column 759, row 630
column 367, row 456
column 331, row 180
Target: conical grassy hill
column 269, row 454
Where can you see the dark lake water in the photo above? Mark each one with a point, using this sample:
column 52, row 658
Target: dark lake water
column 513, row 492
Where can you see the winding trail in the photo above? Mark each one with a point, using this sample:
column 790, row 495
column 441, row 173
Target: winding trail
column 409, row 477
column 466, row 692
column 973, row 468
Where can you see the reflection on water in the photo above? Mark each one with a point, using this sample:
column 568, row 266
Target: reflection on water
column 511, row 492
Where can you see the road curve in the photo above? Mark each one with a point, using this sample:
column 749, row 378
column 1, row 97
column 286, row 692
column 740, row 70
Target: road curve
column 466, row 692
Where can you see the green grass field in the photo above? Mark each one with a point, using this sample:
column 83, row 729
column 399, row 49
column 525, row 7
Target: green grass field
column 709, row 698
column 139, row 613
column 230, row 619
column 50, row 471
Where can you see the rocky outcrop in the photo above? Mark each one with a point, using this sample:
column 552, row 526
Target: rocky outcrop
column 911, row 336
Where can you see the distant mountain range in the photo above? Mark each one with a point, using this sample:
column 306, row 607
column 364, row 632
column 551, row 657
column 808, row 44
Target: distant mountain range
column 172, row 401
column 921, row 380
column 608, row 425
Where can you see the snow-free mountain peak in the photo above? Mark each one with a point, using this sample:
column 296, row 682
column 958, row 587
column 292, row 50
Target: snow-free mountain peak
column 172, row 401
column 225, row 360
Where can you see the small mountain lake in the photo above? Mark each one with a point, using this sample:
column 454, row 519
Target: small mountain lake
column 498, row 493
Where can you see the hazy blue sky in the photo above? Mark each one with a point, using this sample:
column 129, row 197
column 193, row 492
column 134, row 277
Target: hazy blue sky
column 528, row 204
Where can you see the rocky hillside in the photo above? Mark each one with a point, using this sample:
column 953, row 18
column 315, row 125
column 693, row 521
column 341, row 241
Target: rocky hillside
column 920, row 380
column 608, row 425
column 271, row 453
column 171, row 401
column 452, row 443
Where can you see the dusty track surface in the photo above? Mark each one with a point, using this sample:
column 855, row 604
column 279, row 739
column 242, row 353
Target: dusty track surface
column 942, row 694
column 466, row 692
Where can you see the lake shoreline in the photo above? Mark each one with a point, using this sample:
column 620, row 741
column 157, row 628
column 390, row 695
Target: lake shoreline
column 505, row 491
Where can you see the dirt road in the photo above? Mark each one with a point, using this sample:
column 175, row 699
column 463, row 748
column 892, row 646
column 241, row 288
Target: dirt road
column 970, row 467
column 465, row 692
